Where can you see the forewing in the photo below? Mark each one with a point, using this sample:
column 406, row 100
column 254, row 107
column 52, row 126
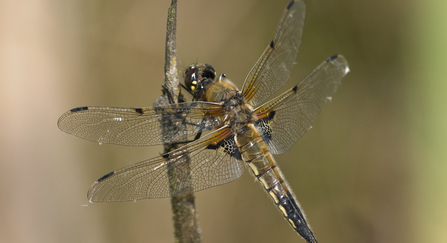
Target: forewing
column 274, row 67
column 289, row 116
column 212, row 160
column 140, row 126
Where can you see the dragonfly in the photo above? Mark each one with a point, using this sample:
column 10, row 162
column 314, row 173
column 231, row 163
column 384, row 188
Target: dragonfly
column 222, row 130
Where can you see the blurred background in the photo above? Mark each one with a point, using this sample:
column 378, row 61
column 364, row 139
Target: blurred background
column 372, row 169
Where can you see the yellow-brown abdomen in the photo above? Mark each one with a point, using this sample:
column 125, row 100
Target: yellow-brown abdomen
column 254, row 151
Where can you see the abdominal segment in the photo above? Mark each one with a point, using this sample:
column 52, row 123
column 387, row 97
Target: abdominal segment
column 254, row 151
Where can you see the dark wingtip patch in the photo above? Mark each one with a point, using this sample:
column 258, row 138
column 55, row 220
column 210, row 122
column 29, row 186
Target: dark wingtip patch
column 295, row 88
column 272, row 44
column 331, row 58
column 83, row 108
column 290, row 4
column 139, row 111
column 166, row 156
column 106, row 176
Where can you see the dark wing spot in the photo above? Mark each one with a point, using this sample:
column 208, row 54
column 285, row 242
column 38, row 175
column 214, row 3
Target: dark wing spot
column 331, row 58
column 83, row 108
column 214, row 146
column 272, row 114
column 232, row 149
column 139, row 111
column 290, row 4
column 229, row 146
column 295, row 88
column 106, row 176
column 263, row 127
column 272, row 44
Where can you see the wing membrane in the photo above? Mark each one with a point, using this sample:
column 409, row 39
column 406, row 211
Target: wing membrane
column 274, row 67
column 212, row 162
column 140, row 126
column 290, row 115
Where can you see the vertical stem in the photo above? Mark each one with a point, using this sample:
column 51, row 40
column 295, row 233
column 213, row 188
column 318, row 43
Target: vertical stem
column 171, row 82
column 186, row 229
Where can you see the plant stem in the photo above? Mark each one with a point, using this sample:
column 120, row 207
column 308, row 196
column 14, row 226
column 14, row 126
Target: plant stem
column 186, row 229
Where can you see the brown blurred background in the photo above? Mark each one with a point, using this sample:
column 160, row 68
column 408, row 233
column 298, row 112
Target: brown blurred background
column 372, row 169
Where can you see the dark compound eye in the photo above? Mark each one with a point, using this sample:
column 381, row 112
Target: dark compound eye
column 208, row 72
column 196, row 74
column 191, row 78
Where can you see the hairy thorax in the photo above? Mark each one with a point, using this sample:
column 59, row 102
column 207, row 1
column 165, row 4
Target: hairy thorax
column 238, row 113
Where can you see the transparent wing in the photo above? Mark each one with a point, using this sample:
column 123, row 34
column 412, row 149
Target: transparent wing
column 213, row 160
column 289, row 116
column 274, row 67
column 140, row 126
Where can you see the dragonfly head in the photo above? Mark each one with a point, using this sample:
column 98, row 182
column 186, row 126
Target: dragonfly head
column 197, row 76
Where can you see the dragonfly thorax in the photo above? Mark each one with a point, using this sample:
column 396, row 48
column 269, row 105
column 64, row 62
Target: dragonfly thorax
column 239, row 113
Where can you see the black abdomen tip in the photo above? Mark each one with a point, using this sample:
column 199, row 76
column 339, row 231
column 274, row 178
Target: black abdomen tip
column 331, row 58
column 106, row 176
column 83, row 108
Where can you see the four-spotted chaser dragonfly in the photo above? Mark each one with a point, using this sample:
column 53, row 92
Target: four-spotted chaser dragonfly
column 238, row 127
